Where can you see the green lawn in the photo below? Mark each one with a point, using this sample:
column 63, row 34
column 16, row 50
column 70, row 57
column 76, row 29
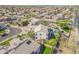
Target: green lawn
column 30, row 34
column 6, row 43
column 66, row 30
column 52, row 42
column 64, row 25
column 64, row 21
column 47, row 50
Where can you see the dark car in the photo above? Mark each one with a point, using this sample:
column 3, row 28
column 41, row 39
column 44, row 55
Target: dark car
column 77, row 42
column 4, row 35
column 7, row 25
column 28, row 42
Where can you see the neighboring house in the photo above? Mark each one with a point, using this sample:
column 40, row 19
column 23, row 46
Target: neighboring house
column 34, row 21
column 43, row 32
column 10, row 19
column 33, row 24
column 39, row 50
column 26, row 48
column 59, row 16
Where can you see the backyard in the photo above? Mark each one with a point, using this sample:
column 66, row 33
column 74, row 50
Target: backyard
column 64, row 24
column 49, row 48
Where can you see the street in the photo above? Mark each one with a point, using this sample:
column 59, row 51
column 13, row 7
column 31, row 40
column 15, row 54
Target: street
column 76, row 23
column 13, row 32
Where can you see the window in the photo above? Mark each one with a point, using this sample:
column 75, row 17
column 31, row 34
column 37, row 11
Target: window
column 46, row 38
column 31, row 23
column 40, row 34
column 36, row 37
column 51, row 34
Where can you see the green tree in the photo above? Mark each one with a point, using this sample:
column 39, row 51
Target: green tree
column 20, row 37
column 30, row 34
column 25, row 23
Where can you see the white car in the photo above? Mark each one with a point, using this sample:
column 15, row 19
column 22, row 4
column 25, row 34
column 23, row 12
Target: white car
column 7, row 25
column 7, row 31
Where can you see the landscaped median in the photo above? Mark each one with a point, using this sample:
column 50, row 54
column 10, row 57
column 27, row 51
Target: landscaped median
column 64, row 24
column 2, row 32
column 51, row 44
column 6, row 42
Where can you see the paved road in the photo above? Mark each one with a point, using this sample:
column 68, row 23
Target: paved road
column 76, row 23
column 13, row 32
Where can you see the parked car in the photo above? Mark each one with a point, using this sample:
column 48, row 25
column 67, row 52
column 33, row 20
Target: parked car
column 28, row 42
column 4, row 35
column 7, row 31
column 7, row 25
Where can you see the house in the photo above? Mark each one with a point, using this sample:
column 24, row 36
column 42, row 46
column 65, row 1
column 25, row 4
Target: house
column 33, row 24
column 43, row 32
column 26, row 48
column 34, row 21
column 10, row 19
column 39, row 50
column 59, row 16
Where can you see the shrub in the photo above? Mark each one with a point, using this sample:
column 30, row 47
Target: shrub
column 30, row 34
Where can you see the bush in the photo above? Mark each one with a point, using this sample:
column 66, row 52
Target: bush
column 30, row 34
column 2, row 31
column 66, row 28
column 25, row 23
